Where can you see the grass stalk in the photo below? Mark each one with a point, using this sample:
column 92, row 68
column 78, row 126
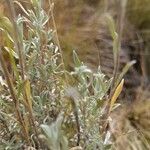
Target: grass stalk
column 14, row 97
column 19, row 48
column 16, row 36
column 51, row 5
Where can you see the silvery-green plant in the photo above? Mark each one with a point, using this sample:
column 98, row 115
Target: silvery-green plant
column 88, row 96
column 40, row 92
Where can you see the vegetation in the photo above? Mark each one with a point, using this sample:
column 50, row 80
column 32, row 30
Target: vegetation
column 44, row 105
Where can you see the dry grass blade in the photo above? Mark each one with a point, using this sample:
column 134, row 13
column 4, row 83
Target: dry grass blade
column 116, row 94
column 17, row 38
column 13, row 94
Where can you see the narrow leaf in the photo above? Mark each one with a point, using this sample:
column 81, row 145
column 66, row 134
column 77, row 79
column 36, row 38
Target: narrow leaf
column 125, row 70
column 28, row 93
column 76, row 59
column 116, row 94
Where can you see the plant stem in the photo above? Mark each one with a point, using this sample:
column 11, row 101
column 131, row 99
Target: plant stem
column 57, row 39
column 17, row 40
column 14, row 97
